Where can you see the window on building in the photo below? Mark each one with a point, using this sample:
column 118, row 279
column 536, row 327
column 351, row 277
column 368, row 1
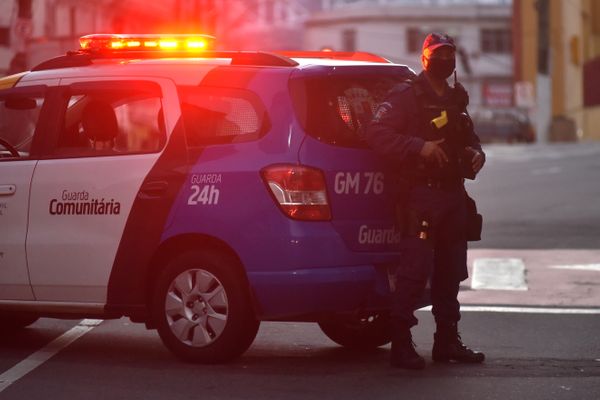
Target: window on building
column 414, row 39
column 496, row 41
column 591, row 83
column 595, row 17
column 4, row 36
column 349, row 40
column 73, row 21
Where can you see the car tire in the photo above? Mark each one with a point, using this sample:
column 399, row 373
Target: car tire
column 202, row 308
column 12, row 322
column 358, row 331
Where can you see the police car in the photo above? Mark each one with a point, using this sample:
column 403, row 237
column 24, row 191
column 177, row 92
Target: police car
column 196, row 191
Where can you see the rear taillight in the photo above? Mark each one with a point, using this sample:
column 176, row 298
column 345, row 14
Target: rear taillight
column 300, row 191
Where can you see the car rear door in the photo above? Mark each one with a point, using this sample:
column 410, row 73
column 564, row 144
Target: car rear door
column 112, row 132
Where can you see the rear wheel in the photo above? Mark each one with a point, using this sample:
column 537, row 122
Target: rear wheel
column 202, row 308
column 359, row 331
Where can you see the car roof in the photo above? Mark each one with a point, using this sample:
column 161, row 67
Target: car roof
column 186, row 68
column 304, row 62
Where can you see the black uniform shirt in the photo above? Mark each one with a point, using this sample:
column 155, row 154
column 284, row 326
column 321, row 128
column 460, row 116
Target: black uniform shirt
column 401, row 125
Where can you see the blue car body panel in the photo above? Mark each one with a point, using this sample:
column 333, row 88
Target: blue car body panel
column 295, row 267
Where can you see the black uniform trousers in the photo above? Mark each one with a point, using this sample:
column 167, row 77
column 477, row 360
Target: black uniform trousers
column 441, row 257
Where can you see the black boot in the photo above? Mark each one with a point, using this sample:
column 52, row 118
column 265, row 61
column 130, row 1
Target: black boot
column 448, row 347
column 403, row 351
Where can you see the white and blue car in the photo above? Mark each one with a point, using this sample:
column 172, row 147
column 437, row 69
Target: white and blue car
column 196, row 191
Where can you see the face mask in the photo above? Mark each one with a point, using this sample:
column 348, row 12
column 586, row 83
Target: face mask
column 441, row 68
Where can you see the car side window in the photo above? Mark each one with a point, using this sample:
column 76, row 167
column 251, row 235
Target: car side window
column 19, row 117
column 217, row 115
column 111, row 122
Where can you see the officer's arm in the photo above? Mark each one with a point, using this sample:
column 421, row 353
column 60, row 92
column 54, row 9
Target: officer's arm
column 474, row 145
column 461, row 97
column 387, row 133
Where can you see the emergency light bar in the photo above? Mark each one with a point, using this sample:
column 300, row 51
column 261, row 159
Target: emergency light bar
column 146, row 42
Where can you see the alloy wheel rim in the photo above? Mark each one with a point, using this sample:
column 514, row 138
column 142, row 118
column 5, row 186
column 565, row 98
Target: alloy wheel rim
column 196, row 307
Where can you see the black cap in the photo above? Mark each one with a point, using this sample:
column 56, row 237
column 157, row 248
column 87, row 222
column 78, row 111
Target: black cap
column 435, row 40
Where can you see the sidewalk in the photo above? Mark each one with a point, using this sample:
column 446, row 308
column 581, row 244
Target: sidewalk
column 575, row 284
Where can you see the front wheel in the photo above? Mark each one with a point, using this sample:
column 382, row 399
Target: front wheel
column 202, row 308
column 13, row 322
column 358, row 331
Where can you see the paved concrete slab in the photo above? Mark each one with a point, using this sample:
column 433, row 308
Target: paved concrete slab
column 498, row 274
column 547, row 286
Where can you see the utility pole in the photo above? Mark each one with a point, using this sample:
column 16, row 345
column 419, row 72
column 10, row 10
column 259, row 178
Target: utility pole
column 22, row 29
column 208, row 13
column 544, row 69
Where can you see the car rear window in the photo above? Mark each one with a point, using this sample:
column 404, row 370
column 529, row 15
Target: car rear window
column 334, row 107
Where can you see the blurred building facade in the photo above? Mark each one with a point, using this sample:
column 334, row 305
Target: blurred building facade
column 35, row 30
column 263, row 24
column 395, row 29
column 558, row 66
column 539, row 58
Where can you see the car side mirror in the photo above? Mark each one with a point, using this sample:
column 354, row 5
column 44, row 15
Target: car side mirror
column 20, row 103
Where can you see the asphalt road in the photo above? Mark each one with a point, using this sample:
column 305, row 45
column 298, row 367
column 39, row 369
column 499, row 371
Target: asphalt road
column 529, row 356
column 540, row 196
column 533, row 197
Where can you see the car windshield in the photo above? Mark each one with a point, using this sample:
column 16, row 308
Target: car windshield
column 334, row 107
column 18, row 121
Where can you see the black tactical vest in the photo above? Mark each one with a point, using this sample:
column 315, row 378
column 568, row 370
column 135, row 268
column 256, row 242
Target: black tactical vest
column 441, row 119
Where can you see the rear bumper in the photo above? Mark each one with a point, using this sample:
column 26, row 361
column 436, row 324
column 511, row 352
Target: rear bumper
column 317, row 291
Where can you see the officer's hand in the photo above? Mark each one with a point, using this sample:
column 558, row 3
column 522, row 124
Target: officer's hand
column 432, row 151
column 477, row 160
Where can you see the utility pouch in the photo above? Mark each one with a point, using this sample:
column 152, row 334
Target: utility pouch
column 474, row 222
column 411, row 224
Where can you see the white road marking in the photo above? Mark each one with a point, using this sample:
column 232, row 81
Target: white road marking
column 526, row 153
column 546, row 171
column 579, row 267
column 498, row 274
column 525, row 310
column 41, row 356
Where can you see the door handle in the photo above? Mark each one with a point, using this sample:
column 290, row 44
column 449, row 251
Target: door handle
column 153, row 190
column 8, row 190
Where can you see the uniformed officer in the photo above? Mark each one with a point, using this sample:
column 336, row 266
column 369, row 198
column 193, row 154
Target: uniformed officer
column 423, row 126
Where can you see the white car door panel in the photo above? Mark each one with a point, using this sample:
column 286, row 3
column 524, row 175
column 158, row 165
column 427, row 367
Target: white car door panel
column 79, row 208
column 20, row 113
column 15, row 178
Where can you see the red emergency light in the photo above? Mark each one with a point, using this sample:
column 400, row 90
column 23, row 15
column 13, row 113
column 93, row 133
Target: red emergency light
column 147, row 42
